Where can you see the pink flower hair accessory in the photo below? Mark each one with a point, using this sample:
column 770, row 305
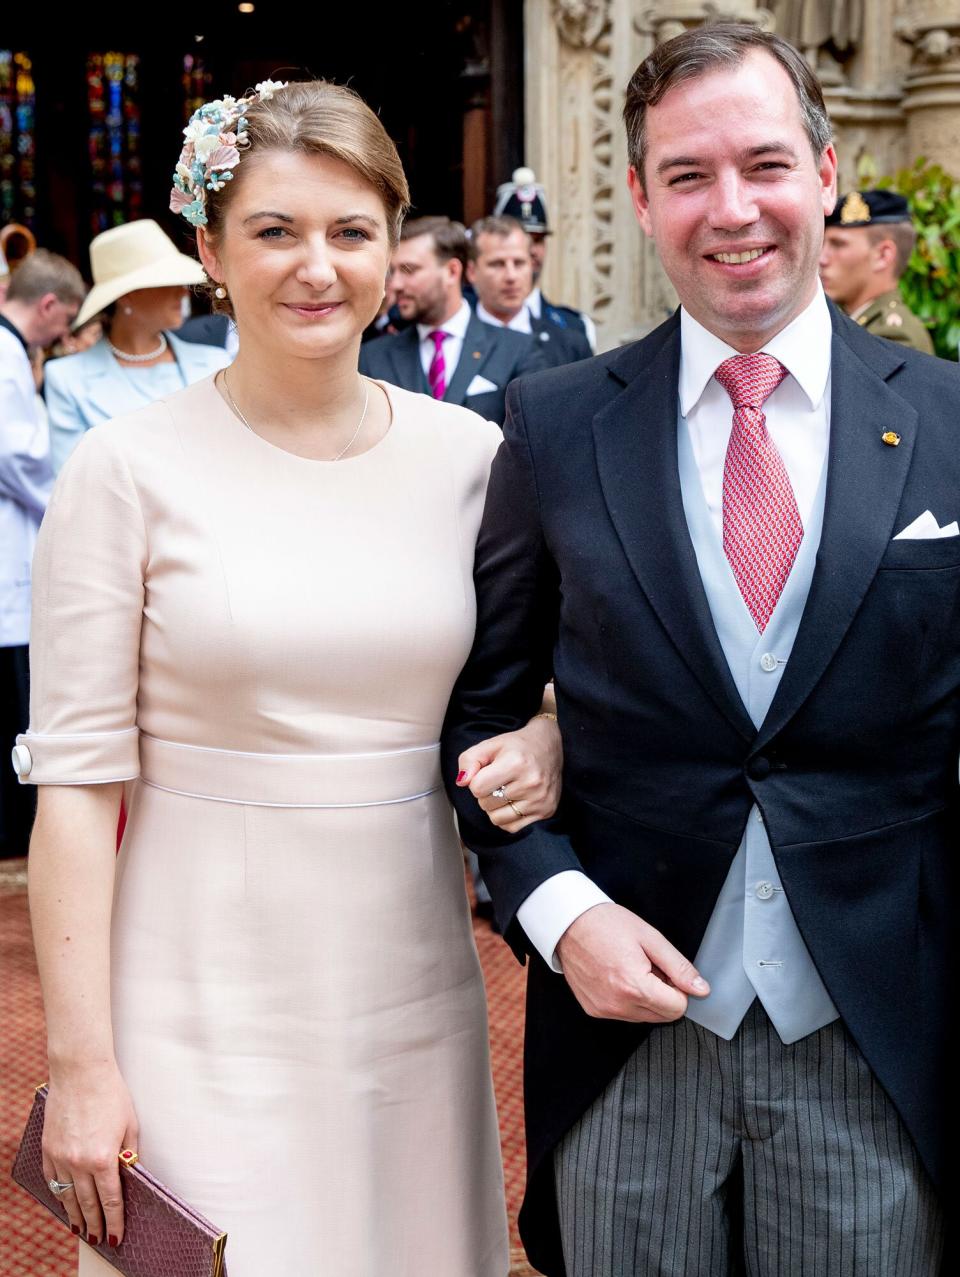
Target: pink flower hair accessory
column 215, row 139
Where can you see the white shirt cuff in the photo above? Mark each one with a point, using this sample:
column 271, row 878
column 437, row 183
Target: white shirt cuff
column 553, row 906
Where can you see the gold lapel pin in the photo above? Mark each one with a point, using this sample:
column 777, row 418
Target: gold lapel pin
column 890, row 437
column 476, row 354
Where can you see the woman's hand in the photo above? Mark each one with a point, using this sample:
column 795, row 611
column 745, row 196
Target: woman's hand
column 89, row 1118
column 526, row 765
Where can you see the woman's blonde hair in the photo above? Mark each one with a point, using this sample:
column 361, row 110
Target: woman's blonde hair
column 319, row 118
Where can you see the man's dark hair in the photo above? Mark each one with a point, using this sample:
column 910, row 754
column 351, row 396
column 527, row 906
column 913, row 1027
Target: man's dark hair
column 449, row 237
column 501, row 226
column 710, row 48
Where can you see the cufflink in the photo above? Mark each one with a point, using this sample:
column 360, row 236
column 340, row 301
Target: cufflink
column 22, row 761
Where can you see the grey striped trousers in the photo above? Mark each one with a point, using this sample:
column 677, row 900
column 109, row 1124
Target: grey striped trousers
column 704, row 1158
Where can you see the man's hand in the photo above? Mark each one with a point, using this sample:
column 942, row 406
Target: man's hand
column 620, row 968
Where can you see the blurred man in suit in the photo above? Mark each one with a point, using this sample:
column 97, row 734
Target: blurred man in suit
column 525, row 199
column 447, row 352
column 501, row 271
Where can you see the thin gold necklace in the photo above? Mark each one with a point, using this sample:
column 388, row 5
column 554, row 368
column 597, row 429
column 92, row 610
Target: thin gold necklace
column 342, row 452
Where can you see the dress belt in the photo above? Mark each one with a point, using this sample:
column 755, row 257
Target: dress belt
column 290, row 780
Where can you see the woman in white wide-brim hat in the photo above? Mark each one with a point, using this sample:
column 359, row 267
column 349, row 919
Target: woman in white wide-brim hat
column 140, row 281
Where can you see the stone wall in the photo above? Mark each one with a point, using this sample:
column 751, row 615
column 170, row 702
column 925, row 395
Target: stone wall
column 891, row 76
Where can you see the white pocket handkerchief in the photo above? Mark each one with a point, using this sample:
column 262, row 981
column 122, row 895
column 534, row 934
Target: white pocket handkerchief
column 481, row 386
column 926, row 528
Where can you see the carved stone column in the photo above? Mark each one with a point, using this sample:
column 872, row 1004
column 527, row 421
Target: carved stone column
column 932, row 87
column 663, row 21
column 573, row 145
column 865, row 96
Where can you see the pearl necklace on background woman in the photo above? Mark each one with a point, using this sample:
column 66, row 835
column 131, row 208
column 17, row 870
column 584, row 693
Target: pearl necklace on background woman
column 139, row 359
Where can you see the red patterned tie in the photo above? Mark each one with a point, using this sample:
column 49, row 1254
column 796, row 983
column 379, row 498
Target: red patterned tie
column 437, row 376
column 762, row 530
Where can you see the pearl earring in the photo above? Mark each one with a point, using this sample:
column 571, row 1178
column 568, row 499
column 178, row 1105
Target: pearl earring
column 128, row 310
column 220, row 293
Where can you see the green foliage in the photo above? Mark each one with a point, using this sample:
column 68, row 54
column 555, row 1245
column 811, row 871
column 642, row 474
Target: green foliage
column 931, row 283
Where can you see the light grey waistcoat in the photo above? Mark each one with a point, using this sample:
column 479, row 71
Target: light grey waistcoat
column 752, row 947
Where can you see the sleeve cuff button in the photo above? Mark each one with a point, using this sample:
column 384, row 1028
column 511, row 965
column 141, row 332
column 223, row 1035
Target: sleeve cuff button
column 22, row 761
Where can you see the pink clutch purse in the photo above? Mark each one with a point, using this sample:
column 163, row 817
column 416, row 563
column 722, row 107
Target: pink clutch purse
column 162, row 1234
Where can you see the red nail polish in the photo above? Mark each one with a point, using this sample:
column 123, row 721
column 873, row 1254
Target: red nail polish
column 75, row 1230
column 93, row 1241
column 112, row 1241
column 460, row 776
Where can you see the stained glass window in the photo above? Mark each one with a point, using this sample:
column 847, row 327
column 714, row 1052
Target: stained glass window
column 196, row 84
column 18, row 192
column 113, row 100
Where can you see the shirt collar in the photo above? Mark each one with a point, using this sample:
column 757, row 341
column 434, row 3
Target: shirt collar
column 5, row 323
column 520, row 323
column 455, row 326
column 534, row 303
column 803, row 347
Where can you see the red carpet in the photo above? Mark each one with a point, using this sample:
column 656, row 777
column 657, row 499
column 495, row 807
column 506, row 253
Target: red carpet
column 32, row 1243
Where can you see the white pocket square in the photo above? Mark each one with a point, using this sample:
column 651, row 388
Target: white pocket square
column 481, row 386
column 926, row 528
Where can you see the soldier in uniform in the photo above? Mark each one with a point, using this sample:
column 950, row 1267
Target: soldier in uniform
column 524, row 198
column 866, row 246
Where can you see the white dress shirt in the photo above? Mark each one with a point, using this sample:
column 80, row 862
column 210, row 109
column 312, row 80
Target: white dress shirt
column 26, row 478
column 534, row 302
column 520, row 323
column 456, row 326
column 798, row 421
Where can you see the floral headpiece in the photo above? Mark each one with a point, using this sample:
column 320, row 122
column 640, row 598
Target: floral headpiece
column 216, row 135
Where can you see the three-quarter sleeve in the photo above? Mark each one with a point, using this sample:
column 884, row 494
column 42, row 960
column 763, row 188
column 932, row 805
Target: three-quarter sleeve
column 88, row 593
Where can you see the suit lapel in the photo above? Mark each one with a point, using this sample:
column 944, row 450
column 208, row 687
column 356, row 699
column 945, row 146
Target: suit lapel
column 864, row 485
column 477, row 344
column 635, row 437
column 405, row 357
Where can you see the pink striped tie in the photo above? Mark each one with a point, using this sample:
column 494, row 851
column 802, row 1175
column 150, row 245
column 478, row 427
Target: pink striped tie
column 762, row 529
column 437, row 376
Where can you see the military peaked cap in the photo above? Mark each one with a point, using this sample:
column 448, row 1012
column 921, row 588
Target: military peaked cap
column 869, row 208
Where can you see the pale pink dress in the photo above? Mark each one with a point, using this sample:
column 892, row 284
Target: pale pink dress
column 262, row 647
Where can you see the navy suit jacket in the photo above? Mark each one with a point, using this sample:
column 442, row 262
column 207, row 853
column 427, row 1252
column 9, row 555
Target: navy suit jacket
column 585, row 567
column 495, row 354
column 560, row 345
column 205, row 330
